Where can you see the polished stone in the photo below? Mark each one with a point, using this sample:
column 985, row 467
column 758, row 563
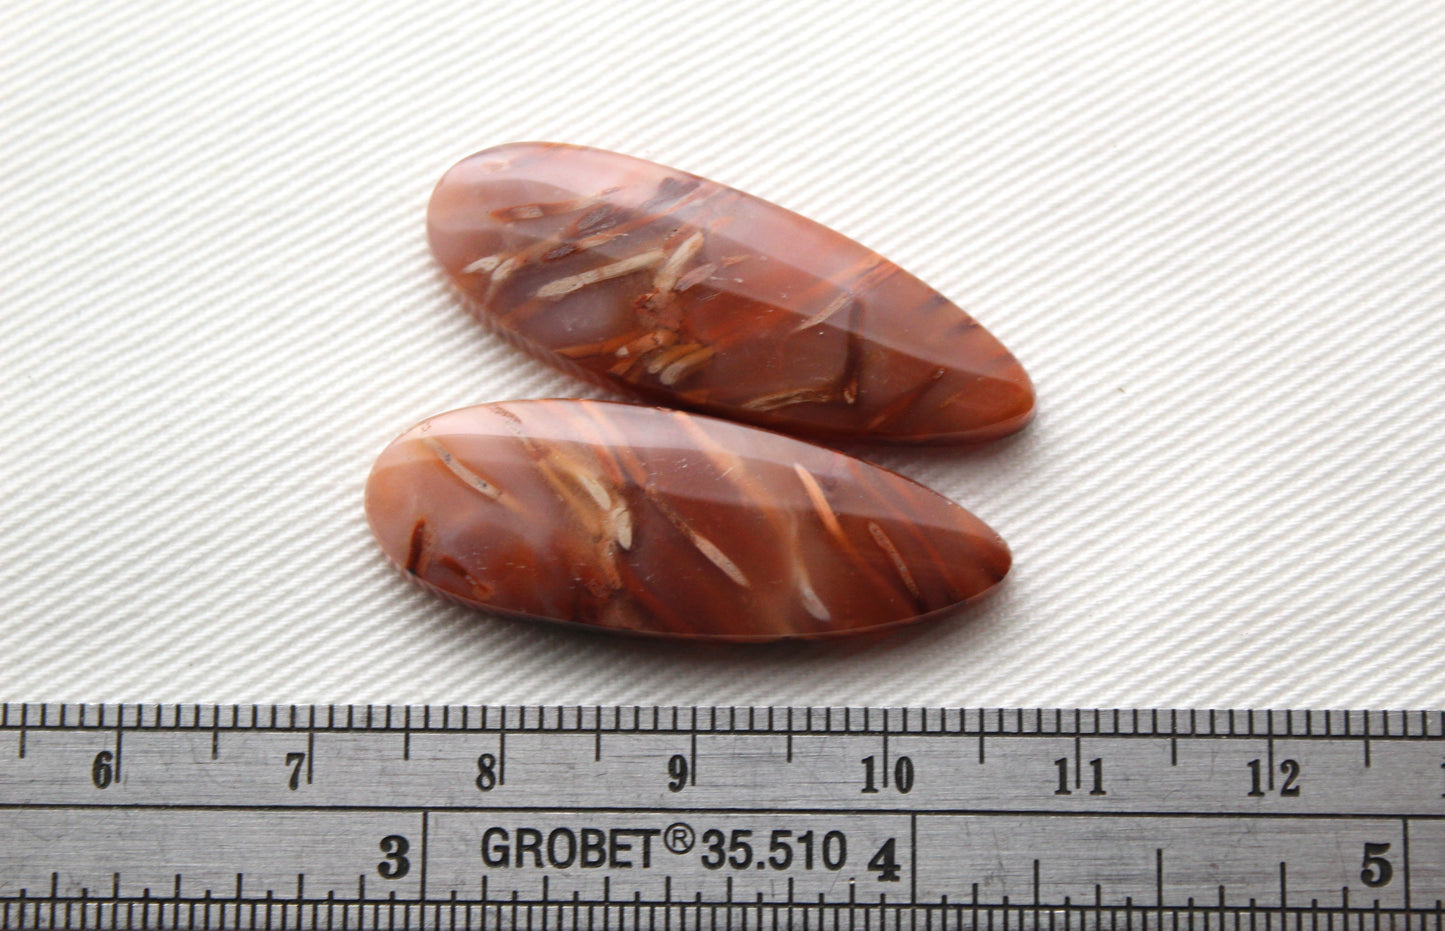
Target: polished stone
column 661, row 522
column 688, row 293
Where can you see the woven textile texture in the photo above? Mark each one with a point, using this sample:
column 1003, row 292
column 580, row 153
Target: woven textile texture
column 1213, row 232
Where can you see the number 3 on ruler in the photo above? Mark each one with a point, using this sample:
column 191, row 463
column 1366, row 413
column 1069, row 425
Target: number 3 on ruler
column 396, row 865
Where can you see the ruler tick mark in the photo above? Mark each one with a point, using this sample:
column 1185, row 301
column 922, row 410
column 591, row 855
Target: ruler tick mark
column 119, row 741
column 1159, row 884
column 1405, row 858
column 872, row 911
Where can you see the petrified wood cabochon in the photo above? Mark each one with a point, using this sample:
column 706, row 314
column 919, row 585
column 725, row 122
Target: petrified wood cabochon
column 689, row 293
column 661, row 522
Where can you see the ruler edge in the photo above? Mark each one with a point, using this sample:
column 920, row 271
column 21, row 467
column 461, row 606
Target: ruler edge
column 1411, row 724
column 743, row 720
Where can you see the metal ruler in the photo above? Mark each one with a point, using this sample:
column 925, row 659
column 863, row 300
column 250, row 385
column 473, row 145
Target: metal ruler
column 352, row 817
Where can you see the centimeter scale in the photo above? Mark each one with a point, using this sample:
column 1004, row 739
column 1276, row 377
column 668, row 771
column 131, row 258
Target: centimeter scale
column 374, row 817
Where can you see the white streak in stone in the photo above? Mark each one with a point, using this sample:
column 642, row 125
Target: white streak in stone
column 833, row 306
column 667, row 275
column 564, row 286
column 621, row 521
column 887, row 546
column 788, row 398
column 503, row 272
column 696, row 276
column 486, row 488
column 486, row 263
column 664, row 358
column 593, row 488
column 684, row 366
column 809, row 596
column 644, row 344
column 716, row 557
column 820, row 503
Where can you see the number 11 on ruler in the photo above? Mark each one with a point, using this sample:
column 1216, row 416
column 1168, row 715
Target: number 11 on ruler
column 1096, row 764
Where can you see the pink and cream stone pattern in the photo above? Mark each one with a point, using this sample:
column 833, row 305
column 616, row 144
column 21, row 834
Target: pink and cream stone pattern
column 661, row 522
column 685, row 292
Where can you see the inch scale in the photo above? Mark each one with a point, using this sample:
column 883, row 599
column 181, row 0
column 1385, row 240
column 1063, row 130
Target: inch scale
column 377, row 817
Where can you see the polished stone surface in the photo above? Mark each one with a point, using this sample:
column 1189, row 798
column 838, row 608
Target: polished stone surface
column 689, row 293
column 661, row 522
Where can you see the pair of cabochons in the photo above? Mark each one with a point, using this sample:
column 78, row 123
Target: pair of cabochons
column 688, row 293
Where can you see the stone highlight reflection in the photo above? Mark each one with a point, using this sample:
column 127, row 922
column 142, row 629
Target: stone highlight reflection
column 689, row 293
column 661, row 522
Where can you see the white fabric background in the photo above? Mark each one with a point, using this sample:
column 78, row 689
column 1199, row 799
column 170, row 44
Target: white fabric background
column 1214, row 232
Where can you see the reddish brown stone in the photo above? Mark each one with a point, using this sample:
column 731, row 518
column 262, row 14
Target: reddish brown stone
column 660, row 522
column 688, row 293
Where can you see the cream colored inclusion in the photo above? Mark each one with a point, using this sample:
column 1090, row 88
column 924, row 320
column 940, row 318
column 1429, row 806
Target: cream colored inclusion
column 564, row 286
column 460, row 470
column 887, row 546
